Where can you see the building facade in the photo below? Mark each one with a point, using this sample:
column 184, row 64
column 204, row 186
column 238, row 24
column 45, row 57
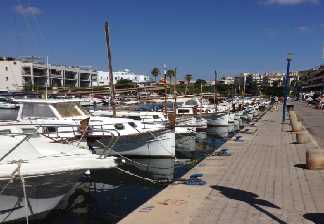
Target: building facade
column 33, row 73
column 103, row 77
column 228, row 80
column 312, row 79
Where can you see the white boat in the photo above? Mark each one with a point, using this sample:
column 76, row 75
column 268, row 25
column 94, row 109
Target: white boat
column 218, row 119
column 218, row 131
column 37, row 173
column 147, row 117
column 194, row 106
column 5, row 103
column 127, row 136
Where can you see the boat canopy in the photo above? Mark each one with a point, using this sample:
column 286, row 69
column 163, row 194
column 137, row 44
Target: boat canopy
column 53, row 110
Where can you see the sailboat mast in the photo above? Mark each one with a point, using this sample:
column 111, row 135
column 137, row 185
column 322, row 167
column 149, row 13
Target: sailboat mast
column 47, row 79
column 110, row 70
column 165, row 91
column 175, row 95
column 201, row 97
column 215, row 90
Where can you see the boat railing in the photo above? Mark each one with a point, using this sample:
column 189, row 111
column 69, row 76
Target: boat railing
column 64, row 133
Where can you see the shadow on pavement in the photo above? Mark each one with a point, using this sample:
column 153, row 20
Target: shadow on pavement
column 317, row 218
column 301, row 166
column 249, row 198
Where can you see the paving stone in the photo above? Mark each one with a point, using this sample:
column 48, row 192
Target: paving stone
column 264, row 181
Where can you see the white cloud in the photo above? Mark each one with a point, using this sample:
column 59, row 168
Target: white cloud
column 290, row 2
column 303, row 28
column 27, row 10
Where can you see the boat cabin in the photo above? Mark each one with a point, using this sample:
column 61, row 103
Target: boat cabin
column 50, row 109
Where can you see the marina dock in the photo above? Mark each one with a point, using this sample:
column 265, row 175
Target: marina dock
column 263, row 181
column 313, row 121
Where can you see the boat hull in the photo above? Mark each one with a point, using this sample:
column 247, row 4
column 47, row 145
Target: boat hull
column 218, row 120
column 153, row 144
column 218, row 131
column 44, row 193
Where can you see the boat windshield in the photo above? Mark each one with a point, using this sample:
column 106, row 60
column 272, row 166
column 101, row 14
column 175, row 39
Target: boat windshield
column 3, row 100
column 191, row 103
column 35, row 110
column 68, row 109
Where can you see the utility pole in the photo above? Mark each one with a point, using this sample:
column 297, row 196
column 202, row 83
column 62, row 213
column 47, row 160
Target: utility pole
column 110, row 70
column 286, row 87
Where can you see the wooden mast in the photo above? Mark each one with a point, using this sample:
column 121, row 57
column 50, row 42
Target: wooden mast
column 215, row 105
column 175, row 96
column 110, row 70
column 165, row 91
column 201, row 97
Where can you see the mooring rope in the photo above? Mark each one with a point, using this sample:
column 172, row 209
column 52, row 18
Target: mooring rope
column 13, row 175
column 24, row 191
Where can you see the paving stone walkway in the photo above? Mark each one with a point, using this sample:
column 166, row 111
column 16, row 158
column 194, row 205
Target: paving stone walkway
column 313, row 120
column 264, row 181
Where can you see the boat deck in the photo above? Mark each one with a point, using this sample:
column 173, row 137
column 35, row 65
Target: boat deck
column 264, row 181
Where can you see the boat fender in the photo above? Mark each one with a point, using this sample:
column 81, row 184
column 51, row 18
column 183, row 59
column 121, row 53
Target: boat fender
column 196, row 175
column 195, row 181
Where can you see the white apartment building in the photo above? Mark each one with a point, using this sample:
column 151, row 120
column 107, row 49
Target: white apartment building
column 103, row 77
column 228, row 80
column 256, row 77
column 273, row 79
column 17, row 74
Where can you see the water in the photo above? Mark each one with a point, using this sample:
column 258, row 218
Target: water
column 109, row 195
column 114, row 194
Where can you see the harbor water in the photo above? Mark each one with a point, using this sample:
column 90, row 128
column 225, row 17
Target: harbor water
column 109, row 195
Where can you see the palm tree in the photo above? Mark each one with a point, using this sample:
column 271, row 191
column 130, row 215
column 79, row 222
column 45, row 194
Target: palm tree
column 188, row 79
column 155, row 72
column 170, row 74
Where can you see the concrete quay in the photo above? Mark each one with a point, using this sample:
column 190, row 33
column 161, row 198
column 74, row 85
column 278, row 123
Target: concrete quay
column 264, row 181
column 313, row 121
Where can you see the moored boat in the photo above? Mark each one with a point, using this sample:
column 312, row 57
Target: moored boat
column 37, row 173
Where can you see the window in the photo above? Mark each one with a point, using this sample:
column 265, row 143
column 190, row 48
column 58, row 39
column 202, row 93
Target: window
column 156, row 117
column 132, row 124
column 119, row 126
column 32, row 110
column 7, row 78
column 183, row 111
column 30, row 131
column 14, row 62
column 5, row 131
column 134, row 117
column 69, row 109
column 6, row 68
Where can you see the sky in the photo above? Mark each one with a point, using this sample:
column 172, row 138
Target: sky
column 196, row 37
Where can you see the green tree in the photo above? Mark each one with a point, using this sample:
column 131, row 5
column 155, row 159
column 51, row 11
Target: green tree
column 155, row 73
column 188, row 78
column 170, row 74
column 200, row 82
column 125, row 83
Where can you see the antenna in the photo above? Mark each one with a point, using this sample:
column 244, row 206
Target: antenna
column 323, row 51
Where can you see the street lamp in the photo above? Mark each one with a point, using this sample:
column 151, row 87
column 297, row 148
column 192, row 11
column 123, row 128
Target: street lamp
column 286, row 87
